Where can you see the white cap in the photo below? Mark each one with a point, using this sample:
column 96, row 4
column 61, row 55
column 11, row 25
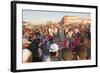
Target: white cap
column 54, row 47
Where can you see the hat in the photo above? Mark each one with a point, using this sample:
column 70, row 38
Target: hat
column 25, row 41
column 54, row 47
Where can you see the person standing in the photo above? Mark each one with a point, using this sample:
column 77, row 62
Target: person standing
column 35, row 47
column 53, row 53
column 27, row 54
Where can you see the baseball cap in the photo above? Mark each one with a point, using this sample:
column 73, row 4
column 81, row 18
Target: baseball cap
column 54, row 47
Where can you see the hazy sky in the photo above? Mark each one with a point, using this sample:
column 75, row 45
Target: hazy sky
column 44, row 16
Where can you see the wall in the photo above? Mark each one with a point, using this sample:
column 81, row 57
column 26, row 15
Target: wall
column 5, row 36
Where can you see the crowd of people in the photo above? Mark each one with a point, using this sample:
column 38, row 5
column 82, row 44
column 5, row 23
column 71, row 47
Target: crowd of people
column 56, row 42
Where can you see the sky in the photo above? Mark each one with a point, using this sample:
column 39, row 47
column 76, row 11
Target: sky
column 38, row 17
